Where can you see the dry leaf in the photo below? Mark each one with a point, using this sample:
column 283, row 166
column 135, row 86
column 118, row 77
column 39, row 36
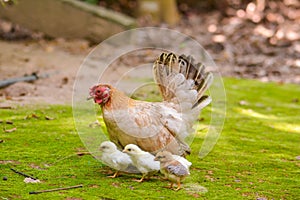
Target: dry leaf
column 32, row 116
column 243, row 103
column 49, row 118
column 30, row 180
column 117, row 185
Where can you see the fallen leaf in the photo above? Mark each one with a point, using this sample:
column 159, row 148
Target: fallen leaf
column 131, row 187
column 94, row 186
column 243, row 103
column 261, row 198
column 9, row 161
column 31, row 116
column 210, row 172
column 34, row 166
column 30, row 180
column 117, row 185
column 73, row 198
column 195, row 195
column 49, row 118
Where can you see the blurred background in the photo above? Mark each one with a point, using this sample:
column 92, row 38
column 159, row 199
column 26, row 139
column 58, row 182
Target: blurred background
column 256, row 39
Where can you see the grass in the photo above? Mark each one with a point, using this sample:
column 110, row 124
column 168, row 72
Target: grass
column 254, row 158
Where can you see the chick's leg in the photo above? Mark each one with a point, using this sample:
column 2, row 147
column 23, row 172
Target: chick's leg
column 115, row 175
column 178, row 185
column 142, row 179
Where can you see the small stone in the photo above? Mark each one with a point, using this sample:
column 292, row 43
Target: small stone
column 4, row 178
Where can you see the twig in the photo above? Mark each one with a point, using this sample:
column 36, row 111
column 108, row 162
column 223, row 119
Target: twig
column 9, row 130
column 21, row 173
column 56, row 189
column 83, row 153
column 5, row 107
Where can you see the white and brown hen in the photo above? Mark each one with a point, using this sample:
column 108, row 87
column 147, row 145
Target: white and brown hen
column 156, row 126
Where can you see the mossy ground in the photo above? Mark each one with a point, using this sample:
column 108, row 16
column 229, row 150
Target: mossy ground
column 255, row 156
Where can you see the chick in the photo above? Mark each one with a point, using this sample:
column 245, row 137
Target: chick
column 174, row 169
column 142, row 160
column 114, row 158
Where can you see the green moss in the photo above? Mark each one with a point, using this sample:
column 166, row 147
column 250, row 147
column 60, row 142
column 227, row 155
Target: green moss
column 255, row 156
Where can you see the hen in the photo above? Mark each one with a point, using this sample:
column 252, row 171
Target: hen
column 156, row 126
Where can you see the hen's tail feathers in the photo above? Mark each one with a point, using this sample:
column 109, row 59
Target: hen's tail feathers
column 180, row 78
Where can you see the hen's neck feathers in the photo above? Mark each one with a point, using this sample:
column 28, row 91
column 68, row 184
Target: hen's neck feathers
column 118, row 100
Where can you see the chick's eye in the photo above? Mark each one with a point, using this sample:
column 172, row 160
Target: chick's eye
column 129, row 149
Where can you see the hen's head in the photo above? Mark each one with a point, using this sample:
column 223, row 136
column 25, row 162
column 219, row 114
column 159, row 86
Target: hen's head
column 100, row 94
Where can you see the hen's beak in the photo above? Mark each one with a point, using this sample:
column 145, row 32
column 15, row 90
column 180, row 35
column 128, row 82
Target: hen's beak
column 89, row 98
